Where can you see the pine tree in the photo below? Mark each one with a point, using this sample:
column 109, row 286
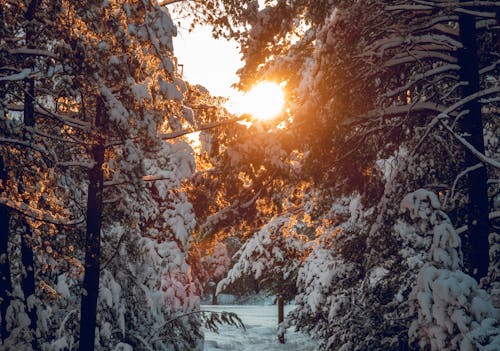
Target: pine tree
column 24, row 54
column 377, row 101
column 100, row 117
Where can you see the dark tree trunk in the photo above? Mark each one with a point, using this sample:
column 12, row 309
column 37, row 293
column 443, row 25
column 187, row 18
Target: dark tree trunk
column 256, row 286
column 281, row 317
column 92, row 246
column 5, row 276
column 28, row 280
column 477, row 253
column 214, row 295
column 28, row 276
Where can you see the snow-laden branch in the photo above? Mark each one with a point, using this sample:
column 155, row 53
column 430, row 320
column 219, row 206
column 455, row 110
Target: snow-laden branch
column 111, row 200
column 443, row 4
column 494, row 215
column 464, row 101
column 70, row 139
column 438, row 24
column 444, row 115
column 37, row 214
column 408, row 7
column 61, row 117
column 208, row 126
column 144, row 342
column 418, row 77
column 83, row 164
column 62, row 326
column 489, row 68
column 418, row 55
column 446, row 29
column 42, row 110
column 430, row 126
column 483, row 158
column 475, row 13
column 32, row 52
column 115, row 251
column 156, row 44
column 154, row 178
column 168, row 2
column 438, row 42
column 148, row 178
column 109, row 183
column 493, row 181
column 213, row 220
column 437, row 39
column 24, row 143
column 461, row 174
column 394, row 111
column 380, row 46
column 17, row 76
column 461, row 7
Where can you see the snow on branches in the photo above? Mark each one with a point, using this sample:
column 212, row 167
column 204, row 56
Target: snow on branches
column 272, row 255
column 453, row 311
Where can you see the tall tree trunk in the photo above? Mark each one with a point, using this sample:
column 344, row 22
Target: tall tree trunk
column 90, row 293
column 28, row 280
column 28, row 276
column 472, row 126
column 281, row 317
column 5, row 276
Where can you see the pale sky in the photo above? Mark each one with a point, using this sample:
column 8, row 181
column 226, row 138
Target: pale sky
column 213, row 63
column 207, row 61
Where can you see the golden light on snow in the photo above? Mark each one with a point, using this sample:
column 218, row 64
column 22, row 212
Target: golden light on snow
column 263, row 102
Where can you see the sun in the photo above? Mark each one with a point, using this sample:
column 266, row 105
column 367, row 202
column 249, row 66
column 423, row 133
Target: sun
column 264, row 101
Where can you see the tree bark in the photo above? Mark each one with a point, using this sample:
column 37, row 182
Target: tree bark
column 28, row 284
column 477, row 253
column 5, row 275
column 281, row 317
column 214, row 295
column 28, row 276
column 28, row 280
column 88, row 316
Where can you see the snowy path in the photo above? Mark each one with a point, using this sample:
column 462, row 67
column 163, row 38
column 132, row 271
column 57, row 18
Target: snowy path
column 260, row 335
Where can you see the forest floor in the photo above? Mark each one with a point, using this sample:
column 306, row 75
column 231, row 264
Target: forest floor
column 260, row 334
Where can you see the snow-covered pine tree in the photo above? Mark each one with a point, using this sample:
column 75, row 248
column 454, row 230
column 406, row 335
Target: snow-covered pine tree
column 28, row 163
column 272, row 256
column 216, row 262
column 376, row 106
column 127, row 60
column 112, row 93
column 453, row 311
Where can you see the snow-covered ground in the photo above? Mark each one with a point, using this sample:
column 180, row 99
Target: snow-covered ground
column 260, row 335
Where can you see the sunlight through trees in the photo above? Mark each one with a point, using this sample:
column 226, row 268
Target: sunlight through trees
column 357, row 177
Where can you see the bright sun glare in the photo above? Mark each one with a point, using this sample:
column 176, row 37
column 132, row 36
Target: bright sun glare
column 263, row 102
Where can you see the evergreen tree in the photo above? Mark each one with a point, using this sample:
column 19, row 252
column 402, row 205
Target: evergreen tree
column 377, row 110
column 108, row 94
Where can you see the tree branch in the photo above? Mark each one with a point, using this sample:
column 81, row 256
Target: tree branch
column 179, row 133
column 38, row 215
column 460, row 175
column 483, row 158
